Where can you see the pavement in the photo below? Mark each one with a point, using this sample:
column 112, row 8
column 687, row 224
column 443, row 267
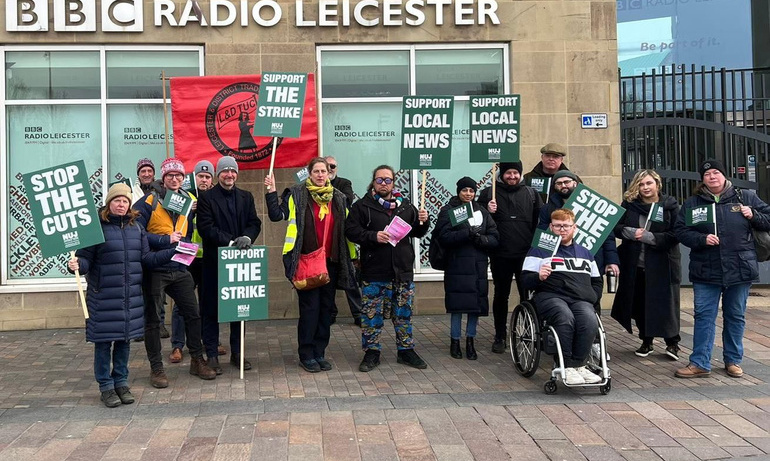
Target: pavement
column 453, row 410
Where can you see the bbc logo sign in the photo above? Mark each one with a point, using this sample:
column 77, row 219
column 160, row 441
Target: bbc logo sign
column 629, row 5
column 74, row 15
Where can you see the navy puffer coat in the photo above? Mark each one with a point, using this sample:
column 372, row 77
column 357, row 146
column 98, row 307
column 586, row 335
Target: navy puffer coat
column 466, row 286
column 113, row 270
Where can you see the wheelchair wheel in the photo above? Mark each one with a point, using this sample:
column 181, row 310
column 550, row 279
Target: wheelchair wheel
column 524, row 339
column 607, row 387
column 550, row 387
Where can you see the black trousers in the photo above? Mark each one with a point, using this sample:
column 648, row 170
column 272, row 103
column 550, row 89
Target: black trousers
column 503, row 271
column 315, row 318
column 639, row 313
column 179, row 285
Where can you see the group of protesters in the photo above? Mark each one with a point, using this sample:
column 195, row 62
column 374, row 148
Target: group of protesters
column 366, row 249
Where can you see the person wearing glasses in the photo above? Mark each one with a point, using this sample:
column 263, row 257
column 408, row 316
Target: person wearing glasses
column 172, row 279
column 566, row 287
column 648, row 289
column 387, row 263
column 515, row 209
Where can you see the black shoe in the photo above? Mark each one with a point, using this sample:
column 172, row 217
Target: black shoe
column 644, row 350
column 357, row 321
column 409, row 357
column 125, row 395
column 334, row 319
column 454, row 349
column 370, row 361
column 323, row 363
column 673, row 351
column 310, row 366
column 139, row 339
column 498, row 347
column 470, row 349
column 213, row 363
column 110, row 399
column 235, row 360
column 164, row 332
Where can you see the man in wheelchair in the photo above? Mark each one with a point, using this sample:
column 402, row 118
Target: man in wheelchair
column 566, row 287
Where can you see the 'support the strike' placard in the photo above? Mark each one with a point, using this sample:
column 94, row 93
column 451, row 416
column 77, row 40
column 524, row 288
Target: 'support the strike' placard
column 242, row 284
column 595, row 217
column 494, row 128
column 62, row 208
column 426, row 135
column 281, row 105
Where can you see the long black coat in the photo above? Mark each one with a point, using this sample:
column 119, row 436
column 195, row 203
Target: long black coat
column 217, row 227
column 662, row 270
column 466, row 288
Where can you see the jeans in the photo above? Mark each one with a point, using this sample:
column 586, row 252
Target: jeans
column 315, row 318
column 575, row 323
column 180, row 287
column 470, row 329
column 503, row 271
column 113, row 353
column 733, row 313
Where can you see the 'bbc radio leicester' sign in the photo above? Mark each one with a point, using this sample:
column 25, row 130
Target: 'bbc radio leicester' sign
column 242, row 284
column 63, row 208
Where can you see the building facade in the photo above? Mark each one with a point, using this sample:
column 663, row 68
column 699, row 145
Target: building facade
column 83, row 81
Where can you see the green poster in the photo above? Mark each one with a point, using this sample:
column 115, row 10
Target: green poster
column 460, row 214
column 302, row 174
column 281, row 104
column 242, row 284
column 494, row 128
column 426, row 137
column 177, row 203
column 122, row 180
column 63, row 209
column 190, row 184
column 595, row 217
column 546, row 241
column 656, row 213
column 699, row 215
column 541, row 185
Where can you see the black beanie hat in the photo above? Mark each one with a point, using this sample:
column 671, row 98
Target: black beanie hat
column 464, row 182
column 712, row 164
column 505, row 166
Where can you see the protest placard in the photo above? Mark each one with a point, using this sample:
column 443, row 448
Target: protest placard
column 654, row 215
column 281, row 105
column 426, row 134
column 178, row 203
column 699, row 215
column 541, row 185
column 63, row 209
column 302, row 175
column 494, row 128
column 546, row 241
column 190, row 184
column 595, row 217
column 243, row 293
column 460, row 214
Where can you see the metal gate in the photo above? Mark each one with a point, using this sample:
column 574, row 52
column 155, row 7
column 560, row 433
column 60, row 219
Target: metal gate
column 672, row 120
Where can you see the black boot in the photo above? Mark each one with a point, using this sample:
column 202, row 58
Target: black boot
column 454, row 349
column 470, row 349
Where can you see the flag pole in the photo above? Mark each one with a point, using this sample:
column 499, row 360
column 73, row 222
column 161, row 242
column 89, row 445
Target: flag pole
column 494, row 182
column 80, row 288
column 272, row 160
column 243, row 346
column 649, row 216
column 714, row 213
column 422, row 193
column 165, row 112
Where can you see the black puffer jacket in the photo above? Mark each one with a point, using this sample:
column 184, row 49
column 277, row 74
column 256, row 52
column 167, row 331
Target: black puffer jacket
column 518, row 208
column 381, row 262
column 734, row 260
column 466, row 288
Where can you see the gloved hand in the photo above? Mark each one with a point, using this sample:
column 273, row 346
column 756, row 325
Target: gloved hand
column 480, row 240
column 243, row 242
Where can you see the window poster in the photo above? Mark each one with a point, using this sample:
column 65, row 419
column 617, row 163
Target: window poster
column 40, row 137
column 136, row 131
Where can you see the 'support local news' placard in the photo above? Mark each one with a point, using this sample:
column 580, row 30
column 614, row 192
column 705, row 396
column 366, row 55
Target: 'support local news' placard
column 242, row 284
column 426, row 137
column 62, row 208
column 494, row 127
column 595, row 217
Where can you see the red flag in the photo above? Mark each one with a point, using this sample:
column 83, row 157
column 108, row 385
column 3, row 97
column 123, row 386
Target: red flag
column 214, row 116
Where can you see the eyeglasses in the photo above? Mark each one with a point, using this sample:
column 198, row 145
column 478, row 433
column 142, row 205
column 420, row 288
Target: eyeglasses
column 175, row 176
column 563, row 183
column 332, row 166
column 562, row 226
column 387, row 181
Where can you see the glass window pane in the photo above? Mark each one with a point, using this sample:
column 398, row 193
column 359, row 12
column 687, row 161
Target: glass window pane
column 136, row 74
column 364, row 74
column 41, row 137
column 136, row 131
column 52, row 75
column 459, row 72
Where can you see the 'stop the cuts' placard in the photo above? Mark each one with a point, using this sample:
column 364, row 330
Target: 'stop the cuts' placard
column 426, row 135
column 62, row 208
column 494, row 127
column 595, row 217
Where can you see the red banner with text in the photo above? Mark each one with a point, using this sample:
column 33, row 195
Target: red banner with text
column 214, row 117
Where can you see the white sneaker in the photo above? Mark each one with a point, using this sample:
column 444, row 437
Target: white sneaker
column 588, row 376
column 572, row 377
column 596, row 352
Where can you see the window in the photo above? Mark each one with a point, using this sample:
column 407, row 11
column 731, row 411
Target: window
column 101, row 104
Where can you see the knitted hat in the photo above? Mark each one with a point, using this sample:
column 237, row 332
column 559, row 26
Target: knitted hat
column 204, row 166
column 226, row 163
column 712, row 164
column 171, row 165
column 505, row 166
column 554, row 148
column 118, row 189
column 143, row 162
column 564, row 174
column 464, row 182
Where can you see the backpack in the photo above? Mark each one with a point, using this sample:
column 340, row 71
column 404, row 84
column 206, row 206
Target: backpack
column 437, row 255
column 761, row 238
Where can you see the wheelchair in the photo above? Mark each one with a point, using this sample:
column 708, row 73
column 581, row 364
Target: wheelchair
column 529, row 337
